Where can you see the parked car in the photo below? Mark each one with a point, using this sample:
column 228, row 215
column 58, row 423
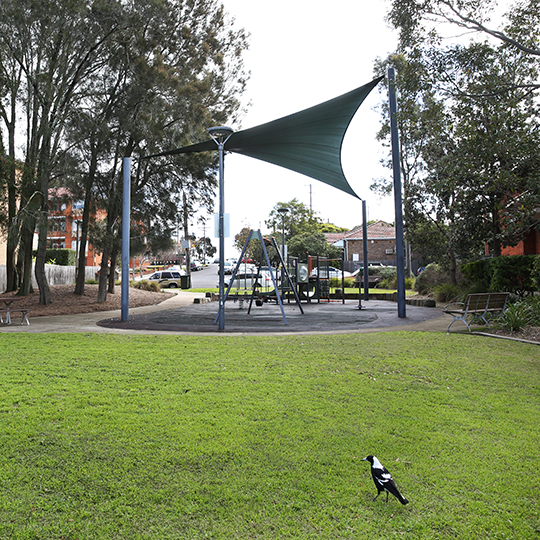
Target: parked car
column 330, row 272
column 168, row 278
column 247, row 280
column 196, row 265
column 177, row 268
column 228, row 267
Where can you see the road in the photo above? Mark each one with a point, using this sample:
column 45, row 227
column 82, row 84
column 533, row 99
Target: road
column 205, row 278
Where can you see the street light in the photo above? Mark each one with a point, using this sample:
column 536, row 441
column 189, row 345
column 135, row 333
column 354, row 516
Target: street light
column 283, row 211
column 220, row 135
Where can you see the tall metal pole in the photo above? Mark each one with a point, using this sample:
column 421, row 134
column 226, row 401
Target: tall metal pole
column 400, row 247
column 126, row 204
column 221, row 229
column 283, row 211
column 221, row 136
column 365, row 250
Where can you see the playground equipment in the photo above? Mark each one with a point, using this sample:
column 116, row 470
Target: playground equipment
column 255, row 284
column 299, row 281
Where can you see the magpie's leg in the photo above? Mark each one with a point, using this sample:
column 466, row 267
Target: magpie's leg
column 387, row 496
column 378, row 493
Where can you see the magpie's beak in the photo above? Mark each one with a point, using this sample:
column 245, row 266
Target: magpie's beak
column 364, row 459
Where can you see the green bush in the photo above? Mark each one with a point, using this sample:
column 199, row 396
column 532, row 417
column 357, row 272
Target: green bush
column 336, row 283
column 523, row 313
column 387, row 283
column 513, row 274
column 410, row 282
column 515, row 318
column 61, row 257
column 477, row 275
column 446, row 292
column 433, row 275
column 145, row 285
column 535, row 273
column 386, row 272
column 391, row 283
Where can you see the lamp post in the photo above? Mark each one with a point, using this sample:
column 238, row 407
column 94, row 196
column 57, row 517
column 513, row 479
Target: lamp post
column 221, row 135
column 283, row 211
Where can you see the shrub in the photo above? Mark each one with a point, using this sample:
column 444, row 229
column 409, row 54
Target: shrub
column 535, row 272
column 145, row 285
column 386, row 272
column 515, row 318
column 61, row 257
column 410, row 282
column 336, row 283
column 388, row 283
column 433, row 275
column 446, row 292
column 477, row 275
column 513, row 273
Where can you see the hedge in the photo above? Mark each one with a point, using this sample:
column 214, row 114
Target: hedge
column 62, row 257
column 518, row 274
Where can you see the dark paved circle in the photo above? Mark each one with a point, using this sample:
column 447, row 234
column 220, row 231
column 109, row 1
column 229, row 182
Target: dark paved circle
column 323, row 317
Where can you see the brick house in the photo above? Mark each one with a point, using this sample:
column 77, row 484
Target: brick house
column 381, row 244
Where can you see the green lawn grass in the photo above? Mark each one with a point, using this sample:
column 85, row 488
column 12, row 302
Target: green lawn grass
column 162, row 437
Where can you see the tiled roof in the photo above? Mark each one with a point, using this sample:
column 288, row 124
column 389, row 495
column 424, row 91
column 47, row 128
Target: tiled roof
column 375, row 231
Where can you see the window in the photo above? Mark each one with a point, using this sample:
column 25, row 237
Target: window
column 58, row 224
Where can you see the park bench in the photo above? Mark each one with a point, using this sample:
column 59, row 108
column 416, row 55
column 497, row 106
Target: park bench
column 479, row 306
column 23, row 312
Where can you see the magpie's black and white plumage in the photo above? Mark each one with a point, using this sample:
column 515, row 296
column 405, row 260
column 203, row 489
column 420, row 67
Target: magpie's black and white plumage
column 383, row 480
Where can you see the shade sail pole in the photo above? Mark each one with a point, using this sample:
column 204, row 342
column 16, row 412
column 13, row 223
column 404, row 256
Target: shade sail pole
column 398, row 202
column 126, row 205
column 220, row 135
column 365, row 251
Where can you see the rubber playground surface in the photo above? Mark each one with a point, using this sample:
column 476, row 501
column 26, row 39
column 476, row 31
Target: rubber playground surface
column 179, row 314
column 269, row 318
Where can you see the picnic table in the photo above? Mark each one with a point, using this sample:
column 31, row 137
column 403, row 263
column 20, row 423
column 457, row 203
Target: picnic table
column 8, row 300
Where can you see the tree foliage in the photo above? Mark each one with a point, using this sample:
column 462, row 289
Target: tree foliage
column 469, row 123
column 98, row 81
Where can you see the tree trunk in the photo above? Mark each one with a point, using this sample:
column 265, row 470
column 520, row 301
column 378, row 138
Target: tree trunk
column 41, row 257
column 103, row 274
column 112, row 272
column 26, row 265
column 186, row 234
column 13, row 226
column 41, row 278
column 81, row 262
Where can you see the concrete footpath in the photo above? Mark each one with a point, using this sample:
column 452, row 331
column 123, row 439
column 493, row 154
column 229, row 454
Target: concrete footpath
column 181, row 315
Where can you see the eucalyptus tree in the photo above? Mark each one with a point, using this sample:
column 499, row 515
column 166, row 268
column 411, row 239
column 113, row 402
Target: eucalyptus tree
column 56, row 45
column 183, row 72
column 468, row 127
column 518, row 28
column 173, row 69
column 10, row 84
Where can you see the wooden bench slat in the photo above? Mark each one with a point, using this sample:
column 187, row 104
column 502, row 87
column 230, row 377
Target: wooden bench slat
column 477, row 305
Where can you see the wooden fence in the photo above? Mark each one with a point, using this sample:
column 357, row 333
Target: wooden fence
column 56, row 275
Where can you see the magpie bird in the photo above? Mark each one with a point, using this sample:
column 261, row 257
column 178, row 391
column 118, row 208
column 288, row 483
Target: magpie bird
column 383, row 480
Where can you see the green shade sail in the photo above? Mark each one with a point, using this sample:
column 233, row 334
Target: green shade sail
column 308, row 142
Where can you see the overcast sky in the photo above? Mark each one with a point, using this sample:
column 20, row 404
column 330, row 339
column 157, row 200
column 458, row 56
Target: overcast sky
column 305, row 52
